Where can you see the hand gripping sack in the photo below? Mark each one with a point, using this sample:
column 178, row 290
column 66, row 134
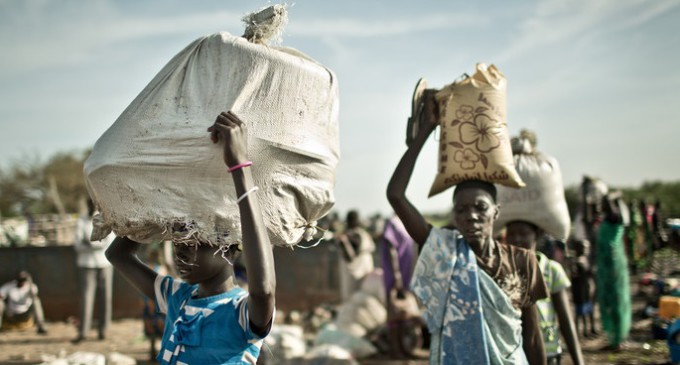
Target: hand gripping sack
column 156, row 167
column 474, row 142
column 542, row 201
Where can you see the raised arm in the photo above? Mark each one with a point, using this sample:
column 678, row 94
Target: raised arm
column 414, row 222
column 122, row 253
column 257, row 250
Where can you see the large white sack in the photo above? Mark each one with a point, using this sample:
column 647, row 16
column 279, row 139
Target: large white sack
column 156, row 166
column 361, row 309
column 541, row 202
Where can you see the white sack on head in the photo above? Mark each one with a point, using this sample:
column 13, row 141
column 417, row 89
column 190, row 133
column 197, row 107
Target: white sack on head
column 542, row 201
column 156, row 167
column 474, row 142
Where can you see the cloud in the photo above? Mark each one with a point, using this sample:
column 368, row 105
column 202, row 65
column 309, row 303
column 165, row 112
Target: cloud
column 372, row 27
column 35, row 36
column 557, row 21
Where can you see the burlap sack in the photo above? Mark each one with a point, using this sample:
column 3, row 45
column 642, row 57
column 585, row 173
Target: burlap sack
column 156, row 167
column 542, row 201
column 474, row 142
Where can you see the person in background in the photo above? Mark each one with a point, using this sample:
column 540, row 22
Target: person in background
column 357, row 249
column 404, row 317
column 612, row 278
column 20, row 304
column 154, row 320
column 635, row 237
column 555, row 311
column 658, row 231
column 583, row 287
column 95, row 274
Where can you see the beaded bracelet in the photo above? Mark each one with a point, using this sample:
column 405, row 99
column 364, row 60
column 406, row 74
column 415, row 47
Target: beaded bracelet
column 239, row 166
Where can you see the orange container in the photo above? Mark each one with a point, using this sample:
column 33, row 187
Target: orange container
column 669, row 307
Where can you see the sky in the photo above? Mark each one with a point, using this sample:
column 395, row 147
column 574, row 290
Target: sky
column 598, row 81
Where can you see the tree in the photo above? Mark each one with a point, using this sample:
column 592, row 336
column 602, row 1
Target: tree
column 25, row 186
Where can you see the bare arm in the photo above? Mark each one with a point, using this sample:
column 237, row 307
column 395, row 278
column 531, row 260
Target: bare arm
column 414, row 222
column 567, row 327
column 348, row 251
column 257, row 250
column 532, row 337
column 122, row 253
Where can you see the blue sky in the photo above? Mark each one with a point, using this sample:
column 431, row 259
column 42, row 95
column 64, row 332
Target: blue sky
column 597, row 81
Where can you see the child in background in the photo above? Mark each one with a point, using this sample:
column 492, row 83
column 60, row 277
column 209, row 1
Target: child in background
column 209, row 319
column 583, row 287
column 154, row 321
column 554, row 312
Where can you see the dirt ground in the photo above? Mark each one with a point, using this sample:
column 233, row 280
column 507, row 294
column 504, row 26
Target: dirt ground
column 126, row 337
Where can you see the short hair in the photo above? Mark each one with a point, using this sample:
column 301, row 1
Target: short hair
column 478, row 184
column 352, row 219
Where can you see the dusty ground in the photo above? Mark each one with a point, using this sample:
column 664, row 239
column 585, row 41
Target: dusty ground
column 125, row 336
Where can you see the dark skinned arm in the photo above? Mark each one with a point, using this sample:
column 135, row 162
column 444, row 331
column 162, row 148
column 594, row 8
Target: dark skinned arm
column 567, row 327
column 257, row 249
column 122, row 253
column 346, row 247
column 414, row 222
column 532, row 339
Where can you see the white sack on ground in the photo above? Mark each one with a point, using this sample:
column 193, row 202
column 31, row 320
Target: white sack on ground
column 361, row 309
column 542, row 201
column 156, row 166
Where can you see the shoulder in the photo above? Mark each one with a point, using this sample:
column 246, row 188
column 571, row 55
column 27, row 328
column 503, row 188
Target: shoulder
column 442, row 236
column 522, row 258
column 168, row 287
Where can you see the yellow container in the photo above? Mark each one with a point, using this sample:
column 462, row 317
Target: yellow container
column 669, row 307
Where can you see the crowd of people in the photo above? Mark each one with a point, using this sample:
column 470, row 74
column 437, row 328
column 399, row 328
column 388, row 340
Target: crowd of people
column 531, row 295
column 484, row 296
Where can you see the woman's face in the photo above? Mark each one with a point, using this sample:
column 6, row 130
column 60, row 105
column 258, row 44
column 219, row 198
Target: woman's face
column 197, row 263
column 521, row 234
column 474, row 212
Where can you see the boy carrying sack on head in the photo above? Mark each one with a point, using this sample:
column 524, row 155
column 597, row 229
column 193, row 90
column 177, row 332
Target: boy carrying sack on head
column 209, row 319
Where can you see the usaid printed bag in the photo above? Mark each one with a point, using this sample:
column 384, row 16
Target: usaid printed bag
column 542, row 201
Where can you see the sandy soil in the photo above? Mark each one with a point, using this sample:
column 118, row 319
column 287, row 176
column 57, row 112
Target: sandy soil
column 126, row 337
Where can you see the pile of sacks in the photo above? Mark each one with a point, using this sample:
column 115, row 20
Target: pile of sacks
column 343, row 340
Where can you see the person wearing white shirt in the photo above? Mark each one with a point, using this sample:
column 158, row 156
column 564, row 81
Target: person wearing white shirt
column 19, row 301
column 96, row 277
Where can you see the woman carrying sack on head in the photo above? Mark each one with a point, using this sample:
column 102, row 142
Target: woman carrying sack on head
column 475, row 316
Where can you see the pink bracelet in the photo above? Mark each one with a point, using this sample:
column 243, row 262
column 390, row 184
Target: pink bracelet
column 241, row 165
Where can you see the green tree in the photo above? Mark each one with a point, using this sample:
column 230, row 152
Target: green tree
column 32, row 187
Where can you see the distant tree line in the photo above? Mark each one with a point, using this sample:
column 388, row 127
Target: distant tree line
column 32, row 186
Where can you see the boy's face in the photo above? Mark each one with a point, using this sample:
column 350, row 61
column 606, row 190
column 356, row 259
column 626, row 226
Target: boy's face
column 521, row 234
column 197, row 263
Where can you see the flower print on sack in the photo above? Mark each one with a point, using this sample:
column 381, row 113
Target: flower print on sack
column 483, row 132
column 467, row 158
column 464, row 113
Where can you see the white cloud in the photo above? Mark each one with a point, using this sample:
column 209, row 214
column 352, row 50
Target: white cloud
column 557, row 21
column 370, row 27
column 35, row 38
